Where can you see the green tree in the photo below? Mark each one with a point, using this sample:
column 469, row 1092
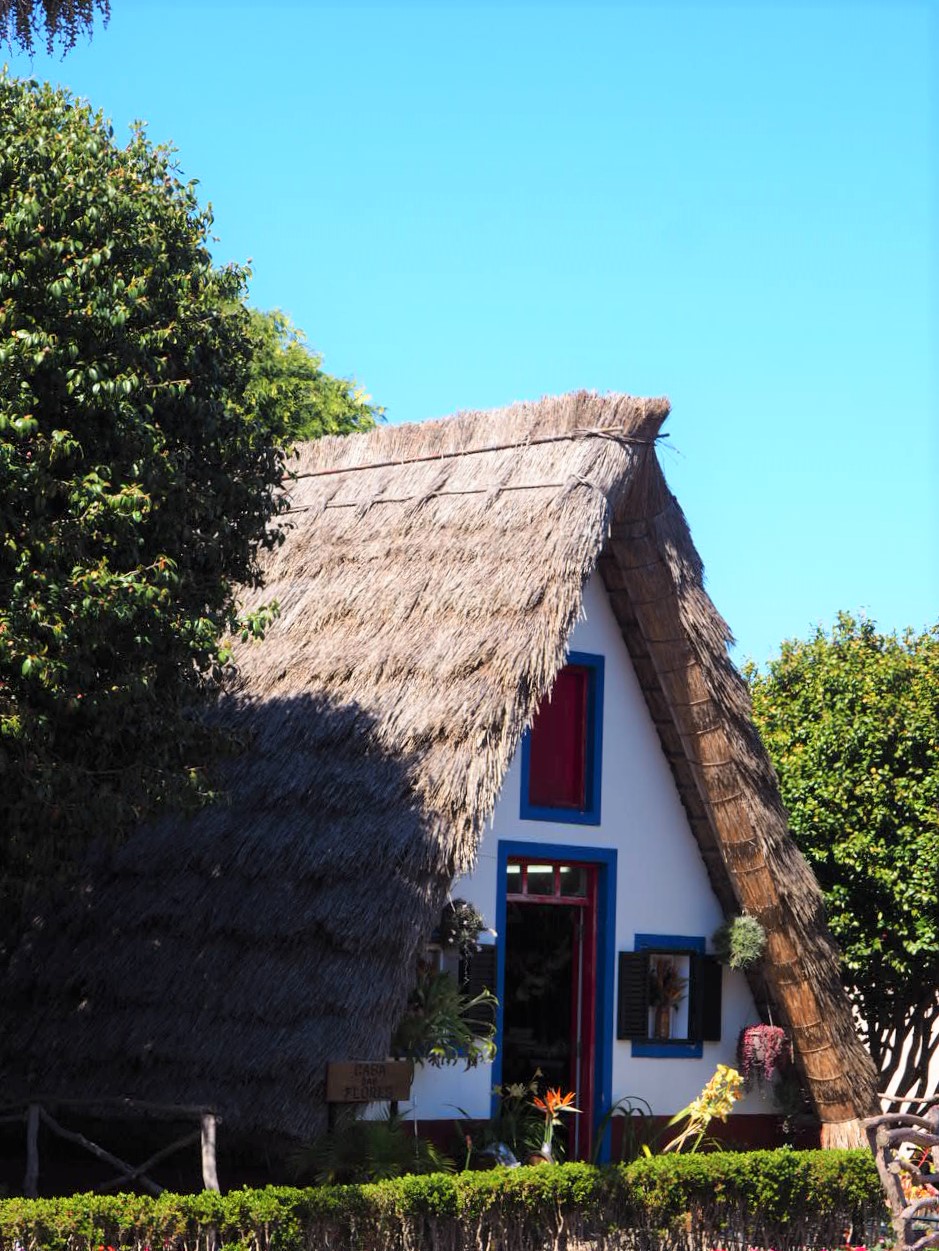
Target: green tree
column 851, row 723
column 22, row 20
column 137, row 479
column 301, row 400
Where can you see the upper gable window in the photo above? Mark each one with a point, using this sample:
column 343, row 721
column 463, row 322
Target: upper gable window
column 561, row 753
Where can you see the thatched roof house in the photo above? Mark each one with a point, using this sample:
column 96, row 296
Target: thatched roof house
column 428, row 587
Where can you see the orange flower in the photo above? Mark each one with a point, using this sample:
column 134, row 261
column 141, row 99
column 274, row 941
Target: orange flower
column 552, row 1105
column 554, row 1102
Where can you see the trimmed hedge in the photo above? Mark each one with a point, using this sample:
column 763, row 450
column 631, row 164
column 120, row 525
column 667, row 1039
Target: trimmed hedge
column 780, row 1199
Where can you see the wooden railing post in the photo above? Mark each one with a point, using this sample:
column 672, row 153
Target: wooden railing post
column 209, row 1167
column 907, row 1144
column 31, row 1178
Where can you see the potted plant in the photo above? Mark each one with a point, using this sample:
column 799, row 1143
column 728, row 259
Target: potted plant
column 667, row 989
column 440, row 1025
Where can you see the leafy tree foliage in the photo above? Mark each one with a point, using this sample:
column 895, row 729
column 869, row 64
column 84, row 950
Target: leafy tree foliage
column 65, row 20
column 301, row 400
column 137, row 478
column 851, row 722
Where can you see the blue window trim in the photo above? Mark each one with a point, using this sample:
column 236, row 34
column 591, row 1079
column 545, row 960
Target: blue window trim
column 605, row 858
column 590, row 814
column 678, row 1048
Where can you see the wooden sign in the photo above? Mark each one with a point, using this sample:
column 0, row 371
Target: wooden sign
column 368, row 1081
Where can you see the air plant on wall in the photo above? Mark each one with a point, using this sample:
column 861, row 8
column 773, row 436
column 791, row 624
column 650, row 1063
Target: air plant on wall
column 460, row 925
column 740, row 942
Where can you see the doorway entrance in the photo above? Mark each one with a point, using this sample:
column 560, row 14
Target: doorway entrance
column 549, row 984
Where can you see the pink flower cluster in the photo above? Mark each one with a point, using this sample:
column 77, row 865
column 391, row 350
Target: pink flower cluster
column 763, row 1051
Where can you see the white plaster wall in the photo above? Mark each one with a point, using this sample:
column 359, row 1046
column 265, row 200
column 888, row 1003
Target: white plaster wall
column 661, row 888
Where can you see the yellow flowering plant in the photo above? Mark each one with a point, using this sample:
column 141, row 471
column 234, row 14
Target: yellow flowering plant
column 716, row 1100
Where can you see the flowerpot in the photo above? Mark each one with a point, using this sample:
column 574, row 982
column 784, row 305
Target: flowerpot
column 543, row 1156
column 663, row 1022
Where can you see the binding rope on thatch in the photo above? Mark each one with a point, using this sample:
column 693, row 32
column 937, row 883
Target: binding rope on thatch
column 597, row 433
column 223, row 961
column 491, row 489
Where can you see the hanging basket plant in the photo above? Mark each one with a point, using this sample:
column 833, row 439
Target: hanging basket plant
column 763, row 1053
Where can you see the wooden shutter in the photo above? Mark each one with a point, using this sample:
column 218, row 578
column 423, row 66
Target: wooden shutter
column 478, row 972
column 704, row 998
column 632, row 1004
column 557, row 769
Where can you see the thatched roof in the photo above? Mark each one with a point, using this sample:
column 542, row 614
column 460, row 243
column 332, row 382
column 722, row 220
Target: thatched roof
column 428, row 587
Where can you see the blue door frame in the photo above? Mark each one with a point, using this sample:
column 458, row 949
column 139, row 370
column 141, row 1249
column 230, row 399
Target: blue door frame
column 605, row 860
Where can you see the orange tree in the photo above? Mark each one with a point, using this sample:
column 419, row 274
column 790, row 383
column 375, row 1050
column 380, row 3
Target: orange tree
column 851, row 722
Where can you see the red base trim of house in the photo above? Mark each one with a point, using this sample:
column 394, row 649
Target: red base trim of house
column 765, row 1130
column 749, row 1131
column 744, row 1131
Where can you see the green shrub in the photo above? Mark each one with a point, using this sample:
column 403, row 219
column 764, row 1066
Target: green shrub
column 782, row 1199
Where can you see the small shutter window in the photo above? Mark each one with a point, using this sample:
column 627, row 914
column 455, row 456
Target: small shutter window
column 557, row 776
column 632, row 1005
column 704, row 998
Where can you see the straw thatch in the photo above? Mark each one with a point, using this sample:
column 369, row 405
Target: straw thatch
column 428, row 586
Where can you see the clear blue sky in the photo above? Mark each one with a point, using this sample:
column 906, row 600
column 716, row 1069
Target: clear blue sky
column 734, row 205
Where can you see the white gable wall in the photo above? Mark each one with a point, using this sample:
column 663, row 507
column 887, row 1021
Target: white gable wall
column 661, row 888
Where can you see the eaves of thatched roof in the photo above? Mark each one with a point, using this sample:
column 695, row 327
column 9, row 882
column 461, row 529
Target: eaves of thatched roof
column 428, row 585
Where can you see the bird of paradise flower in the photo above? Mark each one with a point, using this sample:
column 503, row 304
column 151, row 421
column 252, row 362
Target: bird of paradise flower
column 552, row 1106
